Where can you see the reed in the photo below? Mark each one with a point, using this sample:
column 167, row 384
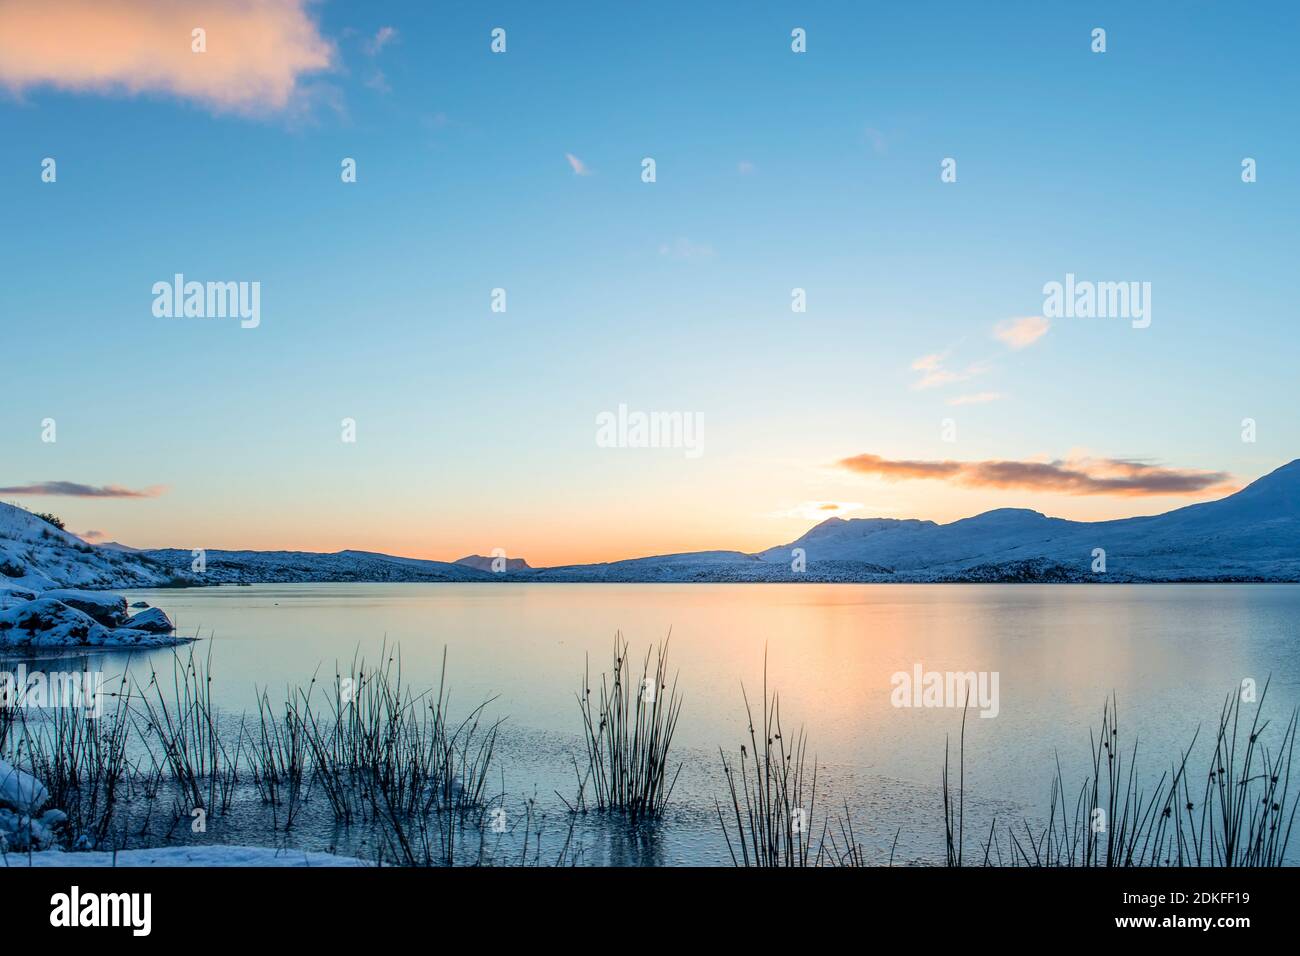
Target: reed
column 772, row 798
column 1240, row 815
column 381, row 751
column 181, row 717
column 628, row 732
column 82, row 760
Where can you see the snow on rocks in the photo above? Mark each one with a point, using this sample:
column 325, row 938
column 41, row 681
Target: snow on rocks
column 47, row 622
column 154, row 621
column 20, row 790
column 12, row 594
column 106, row 608
column 21, row 796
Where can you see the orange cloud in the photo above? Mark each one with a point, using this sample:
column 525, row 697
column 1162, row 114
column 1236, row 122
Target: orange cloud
column 818, row 510
column 256, row 50
column 1087, row 476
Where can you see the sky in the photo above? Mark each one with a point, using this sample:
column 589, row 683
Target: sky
column 924, row 378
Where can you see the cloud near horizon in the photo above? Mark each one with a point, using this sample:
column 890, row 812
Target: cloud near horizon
column 257, row 50
column 72, row 489
column 818, row 510
column 1084, row 476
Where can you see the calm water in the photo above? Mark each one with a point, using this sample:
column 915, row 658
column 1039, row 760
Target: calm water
column 1169, row 653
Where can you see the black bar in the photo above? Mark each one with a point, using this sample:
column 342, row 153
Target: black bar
column 330, row 905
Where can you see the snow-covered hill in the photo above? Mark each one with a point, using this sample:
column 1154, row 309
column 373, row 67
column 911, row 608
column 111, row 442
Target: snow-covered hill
column 484, row 563
column 284, row 567
column 37, row 556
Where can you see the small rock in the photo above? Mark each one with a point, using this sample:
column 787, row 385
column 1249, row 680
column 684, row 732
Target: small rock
column 154, row 620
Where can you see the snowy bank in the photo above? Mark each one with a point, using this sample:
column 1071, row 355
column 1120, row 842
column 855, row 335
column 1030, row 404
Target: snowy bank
column 184, row 856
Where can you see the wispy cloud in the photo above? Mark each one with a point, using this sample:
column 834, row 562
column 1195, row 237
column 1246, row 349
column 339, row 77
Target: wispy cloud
column 745, row 167
column 578, row 166
column 1020, row 333
column 383, row 36
column 92, row 536
column 686, row 249
column 978, row 398
column 256, row 53
column 934, row 371
column 879, row 142
column 72, row 489
column 1085, row 476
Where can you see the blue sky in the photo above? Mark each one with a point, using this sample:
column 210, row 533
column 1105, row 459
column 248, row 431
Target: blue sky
column 775, row 170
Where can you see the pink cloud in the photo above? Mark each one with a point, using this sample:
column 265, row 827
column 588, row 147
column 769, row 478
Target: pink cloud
column 1019, row 333
column 256, row 50
column 934, row 373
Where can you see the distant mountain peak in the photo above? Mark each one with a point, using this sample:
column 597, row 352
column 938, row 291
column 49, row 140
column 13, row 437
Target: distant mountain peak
column 1006, row 515
column 829, row 522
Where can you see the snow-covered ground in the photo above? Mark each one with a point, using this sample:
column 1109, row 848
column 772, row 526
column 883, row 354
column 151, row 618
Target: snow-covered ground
column 182, row 856
column 37, row 556
column 46, row 597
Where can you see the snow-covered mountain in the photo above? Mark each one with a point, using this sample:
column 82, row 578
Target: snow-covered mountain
column 1253, row 535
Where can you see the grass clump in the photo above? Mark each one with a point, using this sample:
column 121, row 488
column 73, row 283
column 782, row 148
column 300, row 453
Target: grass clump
column 772, row 798
column 628, row 731
column 1238, row 812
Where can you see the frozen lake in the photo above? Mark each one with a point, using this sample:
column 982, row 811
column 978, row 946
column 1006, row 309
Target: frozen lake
column 1169, row 653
